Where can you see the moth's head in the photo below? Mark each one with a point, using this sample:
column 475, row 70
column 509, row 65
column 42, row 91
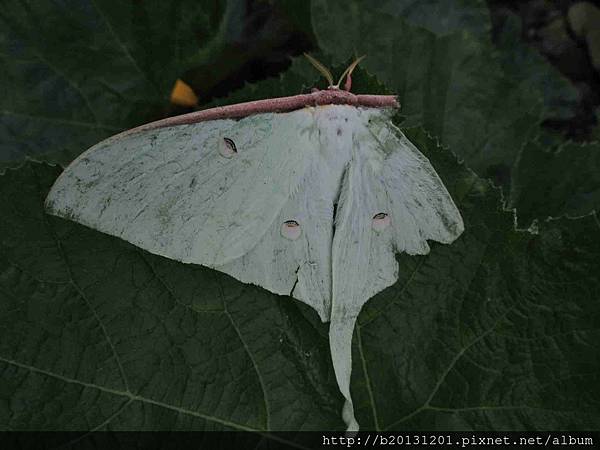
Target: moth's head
column 347, row 74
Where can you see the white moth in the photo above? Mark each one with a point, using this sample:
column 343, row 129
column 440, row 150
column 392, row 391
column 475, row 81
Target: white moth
column 308, row 196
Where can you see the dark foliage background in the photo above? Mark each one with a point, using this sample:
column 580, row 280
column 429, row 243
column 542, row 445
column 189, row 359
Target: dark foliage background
column 498, row 331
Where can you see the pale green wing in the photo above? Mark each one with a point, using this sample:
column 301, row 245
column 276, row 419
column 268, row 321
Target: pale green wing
column 202, row 193
column 297, row 262
column 420, row 206
column 391, row 200
column 363, row 262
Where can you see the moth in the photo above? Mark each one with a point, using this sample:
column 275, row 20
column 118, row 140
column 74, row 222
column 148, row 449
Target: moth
column 308, row 196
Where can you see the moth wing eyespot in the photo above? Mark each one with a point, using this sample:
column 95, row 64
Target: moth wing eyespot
column 227, row 147
column 231, row 144
column 290, row 229
column 380, row 221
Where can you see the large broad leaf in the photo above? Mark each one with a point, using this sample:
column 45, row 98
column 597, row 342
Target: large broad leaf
column 556, row 180
column 496, row 331
column 440, row 16
column 522, row 62
column 76, row 71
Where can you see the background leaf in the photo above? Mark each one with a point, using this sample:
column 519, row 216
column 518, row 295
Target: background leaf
column 523, row 63
column 556, row 180
column 497, row 331
column 75, row 72
column 440, row 17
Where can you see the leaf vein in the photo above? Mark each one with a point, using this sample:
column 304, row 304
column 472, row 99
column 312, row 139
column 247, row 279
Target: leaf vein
column 127, row 394
column 63, row 255
column 367, row 378
column 448, row 369
column 250, row 355
column 122, row 45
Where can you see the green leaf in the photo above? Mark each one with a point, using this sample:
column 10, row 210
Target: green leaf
column 496, row 331
column 440, row 16
column 522, row 62
column 74, row 72
column 552, row 180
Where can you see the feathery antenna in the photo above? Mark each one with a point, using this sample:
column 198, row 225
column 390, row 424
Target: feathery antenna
column 350, row 69
column 327, row 74
column 348, row 72
column 321, row 68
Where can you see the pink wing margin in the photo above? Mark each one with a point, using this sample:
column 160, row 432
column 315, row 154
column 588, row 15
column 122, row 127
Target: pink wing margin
column 279, row 104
